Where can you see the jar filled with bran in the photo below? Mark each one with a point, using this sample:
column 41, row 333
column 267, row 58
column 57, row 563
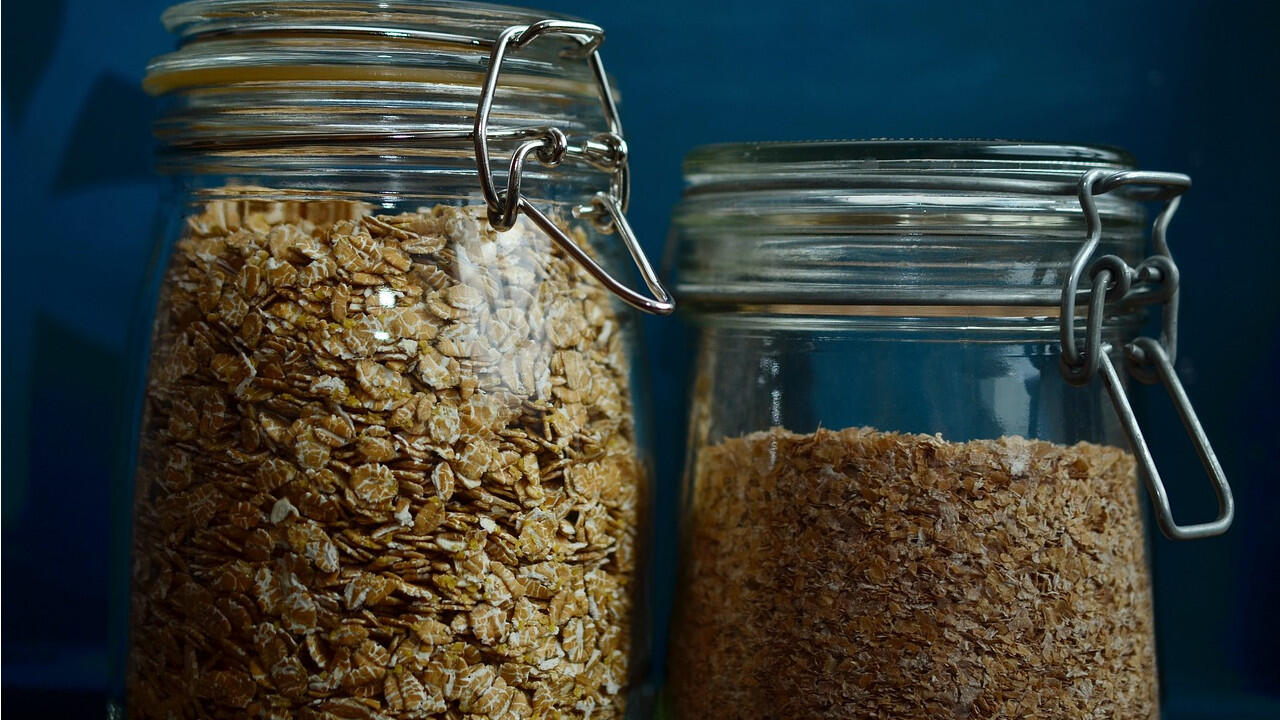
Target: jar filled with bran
column 390, row 460
column 913, row 477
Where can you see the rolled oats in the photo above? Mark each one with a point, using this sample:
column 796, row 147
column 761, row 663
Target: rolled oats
column 388, row 470
column 858, row 573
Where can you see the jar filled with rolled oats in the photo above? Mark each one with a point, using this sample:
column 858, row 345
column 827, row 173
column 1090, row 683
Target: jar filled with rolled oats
column 913, row 484
column 391, row 458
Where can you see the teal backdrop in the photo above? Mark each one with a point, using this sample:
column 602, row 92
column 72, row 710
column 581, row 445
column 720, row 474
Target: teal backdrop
column 1186, row 86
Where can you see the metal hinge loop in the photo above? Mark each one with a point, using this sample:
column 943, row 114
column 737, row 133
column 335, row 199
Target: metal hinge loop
column 1153, row 353
column 605, row 151
column 1155, row 280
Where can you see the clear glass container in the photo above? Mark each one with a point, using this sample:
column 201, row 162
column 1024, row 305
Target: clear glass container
column 392, row 459
column 895, row 505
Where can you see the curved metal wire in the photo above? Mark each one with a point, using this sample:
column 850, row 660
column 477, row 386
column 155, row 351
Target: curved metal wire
column 1147, row 359
column 607, row 151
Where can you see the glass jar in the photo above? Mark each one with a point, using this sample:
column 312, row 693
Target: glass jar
column 391, row 460
column 905, row 497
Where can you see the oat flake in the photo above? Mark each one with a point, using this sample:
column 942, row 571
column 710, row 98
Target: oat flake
column 350, row 424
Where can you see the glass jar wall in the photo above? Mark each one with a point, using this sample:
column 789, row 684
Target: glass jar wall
column 894, row 505
column 391, row 460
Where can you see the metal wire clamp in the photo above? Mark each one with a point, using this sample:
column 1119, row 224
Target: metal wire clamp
column 606, row 151
column 1155, row 280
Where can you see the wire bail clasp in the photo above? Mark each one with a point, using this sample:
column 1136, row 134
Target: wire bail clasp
column 605, row 151
column 1154, row 281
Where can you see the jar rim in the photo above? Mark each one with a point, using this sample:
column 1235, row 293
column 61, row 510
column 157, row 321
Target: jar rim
column 1013, row 166
column 224, row 42
column 891, row 222
column 381, row 88
column 876, row 150
column 195, row 18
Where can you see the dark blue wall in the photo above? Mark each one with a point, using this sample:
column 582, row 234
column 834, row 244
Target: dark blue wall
column 1187, row 86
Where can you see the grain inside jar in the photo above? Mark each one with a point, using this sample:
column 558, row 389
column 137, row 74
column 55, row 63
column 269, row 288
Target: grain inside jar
column 858, row 573
column 389, row 470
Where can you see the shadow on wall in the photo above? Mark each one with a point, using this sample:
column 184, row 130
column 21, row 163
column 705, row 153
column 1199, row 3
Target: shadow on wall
column 57, row 541
column 29, row 33
column 111, row 141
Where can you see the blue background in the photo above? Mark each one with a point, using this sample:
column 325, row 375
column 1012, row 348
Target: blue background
column 1186, row 86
